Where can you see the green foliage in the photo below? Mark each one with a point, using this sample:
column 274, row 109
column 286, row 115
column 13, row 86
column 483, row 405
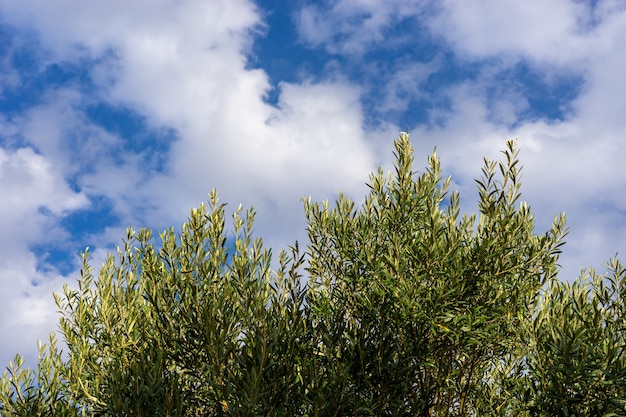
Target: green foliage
column 419, row 303
column 188, row 329
column 234, row 329
column 576, row 356
column 117, row 364
column 41, row 393
column 406, row 307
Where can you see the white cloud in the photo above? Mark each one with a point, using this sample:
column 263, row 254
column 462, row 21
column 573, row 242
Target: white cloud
column 76, row 29
column 99, row 162
column 28, row 312
column 602, row 104
column 34, row 195
column 405, row 84
column 553, row 31
column 184, row 66
column 228, row 137
column 313, row 144
column 28, row 182
column 352, row 27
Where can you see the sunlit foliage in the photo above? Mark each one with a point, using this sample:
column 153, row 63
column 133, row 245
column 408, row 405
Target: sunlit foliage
column 399, row 307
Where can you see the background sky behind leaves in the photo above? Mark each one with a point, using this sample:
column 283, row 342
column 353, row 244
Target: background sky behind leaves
column 117, row 113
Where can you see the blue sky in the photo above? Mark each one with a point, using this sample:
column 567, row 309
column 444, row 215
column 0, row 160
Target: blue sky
column 116, row 113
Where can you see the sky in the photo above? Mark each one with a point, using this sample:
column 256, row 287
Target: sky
column 117, row 113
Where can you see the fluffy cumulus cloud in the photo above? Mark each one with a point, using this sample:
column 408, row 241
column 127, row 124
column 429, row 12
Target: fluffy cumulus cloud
column 34, row 197
column 137, row 109
column 531, row 29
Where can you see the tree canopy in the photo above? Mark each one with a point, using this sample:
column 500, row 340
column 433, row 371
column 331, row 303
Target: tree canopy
column 402, row 306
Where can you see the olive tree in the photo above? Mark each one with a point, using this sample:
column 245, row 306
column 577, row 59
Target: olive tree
column 414, row 303
column 576, row 357
column 195, row 327
column 400, row 306
column 40, row 392
column 198, row 326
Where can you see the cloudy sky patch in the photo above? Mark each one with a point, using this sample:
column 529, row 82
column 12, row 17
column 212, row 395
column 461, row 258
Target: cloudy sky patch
column 116, row 114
